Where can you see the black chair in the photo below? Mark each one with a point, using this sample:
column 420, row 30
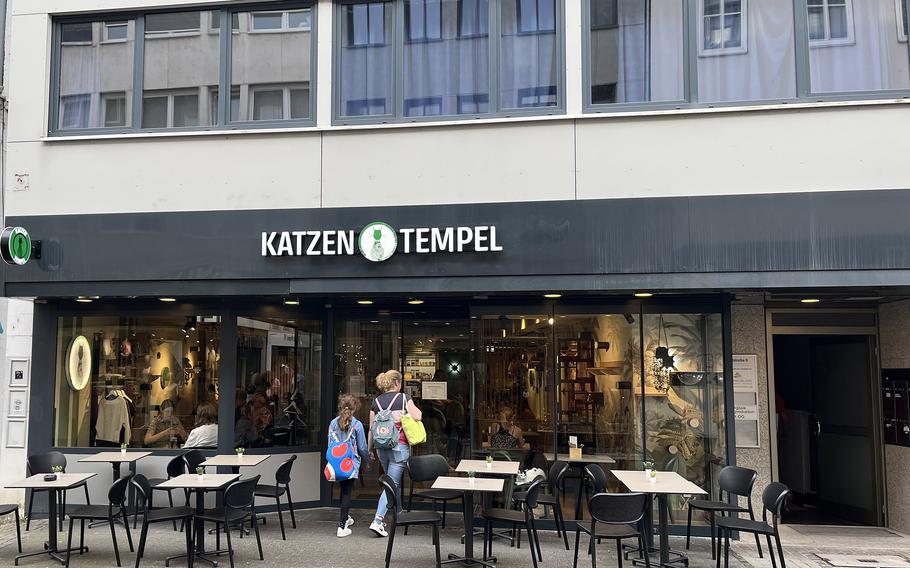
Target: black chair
column 595, row 481
column 614, row 516
column 406, row 519
column 45, row 463
column 774, row 497
column 552, row 499
column 6, row 510
column 150, row 515
column 735, row 481
column 428, row 468
column 175, row 468
column 239, row 507
column 192, row 459
column 517, row 519
column 114, row 510
column 282, row 487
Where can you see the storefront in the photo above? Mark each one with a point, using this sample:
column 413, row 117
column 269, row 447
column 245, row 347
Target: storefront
column 608, row 321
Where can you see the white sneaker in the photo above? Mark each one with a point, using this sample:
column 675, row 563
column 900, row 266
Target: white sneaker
column 379, row 529
column 349, row 523
column 343, row 532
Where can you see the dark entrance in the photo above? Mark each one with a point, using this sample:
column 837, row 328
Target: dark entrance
column 826, row 445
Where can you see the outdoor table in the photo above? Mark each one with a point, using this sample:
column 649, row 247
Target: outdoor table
column 191, row 482
column 116, row 459
column 581, row 463
column 63, row 482
column 667, row 483
column 234, row 461
column 497, row 468
column 466, row 486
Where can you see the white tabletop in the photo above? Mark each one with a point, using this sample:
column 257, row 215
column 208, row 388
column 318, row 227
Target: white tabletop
column 233, row 460
column 481, row 484
column 64, row 481
column 480, row 467
column 668, row 482
column 192, row 481
column 115, row 457
column 587, row 458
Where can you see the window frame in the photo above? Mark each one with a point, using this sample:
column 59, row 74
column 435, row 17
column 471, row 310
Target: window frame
column 395, row 114
column 426, row 38
column 105, row 38
column 285, row 21
column 135, row 102
column 828, row 41
column 740, row 49
column 903, row 19
column 284, row 88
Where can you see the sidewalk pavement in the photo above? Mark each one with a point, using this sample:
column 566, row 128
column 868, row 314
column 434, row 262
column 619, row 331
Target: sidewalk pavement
column 314, row 545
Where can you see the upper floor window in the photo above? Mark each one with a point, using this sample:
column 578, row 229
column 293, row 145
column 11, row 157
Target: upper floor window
column 473, row 18
column 723, row 26
column 366, row 23
column 830, row 22
column 604, row 14
column 903, row 19
column 181, row 70
column 423, row 20
column 536, row 16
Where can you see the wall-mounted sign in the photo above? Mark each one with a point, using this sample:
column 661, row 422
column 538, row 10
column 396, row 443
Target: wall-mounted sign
column 745, row 400
column 79, row 363
column 379, row 241
column 15, row 245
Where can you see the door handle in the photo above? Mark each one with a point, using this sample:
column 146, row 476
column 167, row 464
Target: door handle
column 818, row 426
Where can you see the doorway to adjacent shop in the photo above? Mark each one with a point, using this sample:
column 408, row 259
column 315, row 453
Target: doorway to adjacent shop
column 827, row 445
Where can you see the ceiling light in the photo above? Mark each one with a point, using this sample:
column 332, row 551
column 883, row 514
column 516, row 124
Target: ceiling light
column 365, row 302
column 168, row 299
column 415, row 302
column 374, row 321
column 643, row 294
column 291, row 302
column 810, row 300
column 551, row 321
column 84, row 300
column 292, row 321
column 552, row 296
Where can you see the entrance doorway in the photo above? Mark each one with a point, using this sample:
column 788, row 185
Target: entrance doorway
column 826, row 436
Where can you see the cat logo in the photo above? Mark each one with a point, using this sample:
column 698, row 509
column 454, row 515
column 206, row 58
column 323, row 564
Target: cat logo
column 378, row 242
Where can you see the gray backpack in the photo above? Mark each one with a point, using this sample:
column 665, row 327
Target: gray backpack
column 385, row 434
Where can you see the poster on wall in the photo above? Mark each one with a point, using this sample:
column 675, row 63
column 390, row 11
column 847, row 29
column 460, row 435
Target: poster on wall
column 437, row 390
column 745, row 400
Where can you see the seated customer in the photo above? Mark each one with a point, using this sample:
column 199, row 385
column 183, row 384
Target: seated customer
column 205, row 434
column 165, row 428
column 506, row 435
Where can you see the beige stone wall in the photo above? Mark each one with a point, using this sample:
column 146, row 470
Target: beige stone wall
column 749, row 338
column 894, row 335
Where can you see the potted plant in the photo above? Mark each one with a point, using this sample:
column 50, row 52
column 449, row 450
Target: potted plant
column 648, row 465
column 123, row 449
column 239, row 452
column 489, row 461
column 57, row 469
column 471, row 476
column 652, row 476
column 200, row 473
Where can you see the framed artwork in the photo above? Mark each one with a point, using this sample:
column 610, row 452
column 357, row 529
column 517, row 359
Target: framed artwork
column 15, row 434
column 18, row 373
column 18, row 404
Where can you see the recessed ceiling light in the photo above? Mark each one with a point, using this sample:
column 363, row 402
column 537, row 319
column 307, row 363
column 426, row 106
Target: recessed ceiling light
column 415, row 301
column 291, row 302
column 552, row 296
column 374, row 321
column 292, row 321
column 168, row 299
column 810, row 300
column 643, row 294
column 84, row 300
column 365, row 302
column 551, row 321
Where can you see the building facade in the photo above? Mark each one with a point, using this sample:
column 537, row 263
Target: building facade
column 672, row 230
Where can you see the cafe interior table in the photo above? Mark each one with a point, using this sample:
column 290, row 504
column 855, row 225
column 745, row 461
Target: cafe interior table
column 63, row 482
column 192, row 482
column 666, row 483
column 117, row 459
column 234, row 461
column 581, row 463
column 469, row 486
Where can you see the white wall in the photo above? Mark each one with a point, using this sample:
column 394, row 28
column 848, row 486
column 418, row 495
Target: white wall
column 15, row 342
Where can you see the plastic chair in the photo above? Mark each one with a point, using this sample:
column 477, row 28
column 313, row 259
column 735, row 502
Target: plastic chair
column 517, row 519
column 733, row 480
column 553, row 499
column 614, row 516
column 282, row 487
column 774, row 497
column 114, row 510
column 150, row 515
column 239, row 507
column 45, row 463
column 428, row 468
column 407, row 519
column 6, row 510
column 175, row 468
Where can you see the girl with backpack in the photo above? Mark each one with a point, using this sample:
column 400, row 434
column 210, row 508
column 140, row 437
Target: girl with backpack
column 388, row 438
column 346, row 449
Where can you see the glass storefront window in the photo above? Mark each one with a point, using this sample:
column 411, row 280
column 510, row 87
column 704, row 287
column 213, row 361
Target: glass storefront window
column 279, row 365
column 148, row 382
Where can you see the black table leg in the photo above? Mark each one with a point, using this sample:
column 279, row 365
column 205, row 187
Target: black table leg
column 50, row 547
column 468, row 558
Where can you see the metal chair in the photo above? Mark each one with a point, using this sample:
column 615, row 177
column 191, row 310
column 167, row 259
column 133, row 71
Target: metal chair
column 553, row 499
column 45, row 463
column 428, row 468
column 517, row 519
column 175, row 468
column 150, row 515
column 735, row 481
column 614, row 516
column 114, row 510
column 774, row 497
column 192, row 459
column 239, row 507
column 6, row 510
column 282, row 487
column 407, row 519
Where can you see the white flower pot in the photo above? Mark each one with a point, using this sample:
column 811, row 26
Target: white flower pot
column 648, row 473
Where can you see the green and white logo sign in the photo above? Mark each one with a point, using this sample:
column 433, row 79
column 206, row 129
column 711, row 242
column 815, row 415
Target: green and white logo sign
column 378, row 242
column 15, row 245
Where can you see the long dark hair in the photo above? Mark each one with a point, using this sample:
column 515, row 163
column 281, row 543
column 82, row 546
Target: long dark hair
column 348, row 405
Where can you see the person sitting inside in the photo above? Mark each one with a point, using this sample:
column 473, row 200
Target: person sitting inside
column 205, row 434
column 506, row 435
column 165, row 430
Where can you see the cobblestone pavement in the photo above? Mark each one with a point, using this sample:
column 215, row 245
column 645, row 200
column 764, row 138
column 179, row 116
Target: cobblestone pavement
column 313, row 544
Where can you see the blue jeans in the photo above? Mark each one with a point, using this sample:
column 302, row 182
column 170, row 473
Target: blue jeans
column 394, row 461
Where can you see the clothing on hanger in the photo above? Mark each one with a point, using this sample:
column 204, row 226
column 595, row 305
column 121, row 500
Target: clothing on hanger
column 113, row 416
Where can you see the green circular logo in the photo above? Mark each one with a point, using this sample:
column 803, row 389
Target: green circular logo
column 16, row 245
column 377, row 242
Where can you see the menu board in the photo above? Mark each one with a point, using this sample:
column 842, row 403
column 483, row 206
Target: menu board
column 896, row 406
column 745, row 400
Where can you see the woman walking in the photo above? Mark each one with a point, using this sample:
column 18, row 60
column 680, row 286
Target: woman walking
column 392, row 453
column 345, row 429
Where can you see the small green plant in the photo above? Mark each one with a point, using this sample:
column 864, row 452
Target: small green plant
column 200, row 471
column 123, row 447
column 472, row 474
column 240, row 451
column 57, row 469
column 489, row 459
column 653, row 474
column 648, row 464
